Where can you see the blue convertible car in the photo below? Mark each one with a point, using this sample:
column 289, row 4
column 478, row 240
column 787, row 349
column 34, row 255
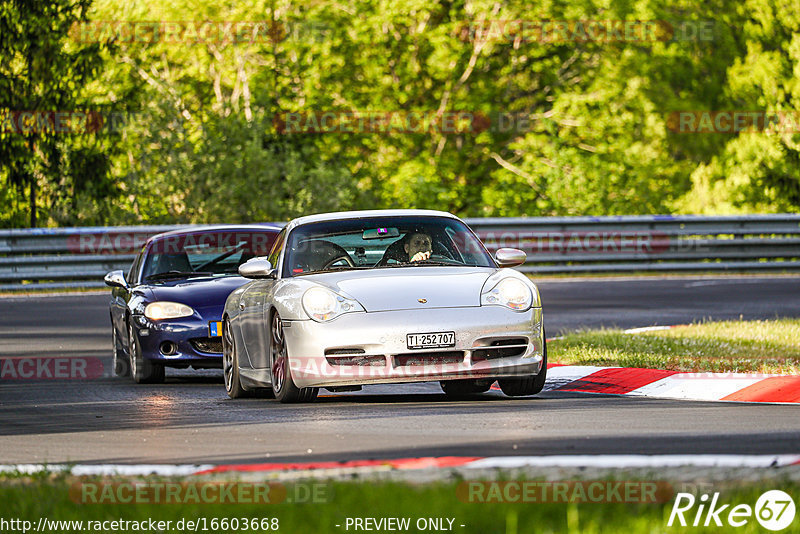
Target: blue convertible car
column 166, row 311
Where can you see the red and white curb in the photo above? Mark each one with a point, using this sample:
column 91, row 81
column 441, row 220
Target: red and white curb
column 635, row 382
column 331, row 468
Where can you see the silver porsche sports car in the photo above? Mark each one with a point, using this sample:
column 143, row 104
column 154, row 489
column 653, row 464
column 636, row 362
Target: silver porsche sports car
column 370, row 297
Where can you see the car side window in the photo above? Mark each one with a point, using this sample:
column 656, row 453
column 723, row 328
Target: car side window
column 277, row 247
column 134, row 272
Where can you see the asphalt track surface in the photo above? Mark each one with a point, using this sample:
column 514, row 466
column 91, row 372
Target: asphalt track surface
column 190, row 419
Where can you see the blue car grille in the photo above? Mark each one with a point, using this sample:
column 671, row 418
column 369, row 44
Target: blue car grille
column 211, row 345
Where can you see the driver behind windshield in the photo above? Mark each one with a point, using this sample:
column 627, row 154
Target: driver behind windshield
column 418, row 246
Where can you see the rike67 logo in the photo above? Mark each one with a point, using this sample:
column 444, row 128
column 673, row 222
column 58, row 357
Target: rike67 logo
column 774, row 510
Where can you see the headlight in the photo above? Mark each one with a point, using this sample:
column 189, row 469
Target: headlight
column 509, row 292
column 324, row 305
column 156, row 311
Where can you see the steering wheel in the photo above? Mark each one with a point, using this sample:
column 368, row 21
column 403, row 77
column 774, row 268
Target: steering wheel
column 440, row 258
column 346, row 257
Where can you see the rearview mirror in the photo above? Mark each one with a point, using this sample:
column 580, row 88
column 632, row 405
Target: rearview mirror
column 257, row 268
column 510, row 257
column 115, row 279
column 380, row 233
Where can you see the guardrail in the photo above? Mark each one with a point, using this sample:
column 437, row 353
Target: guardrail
column 51, row 258
column 656, row 243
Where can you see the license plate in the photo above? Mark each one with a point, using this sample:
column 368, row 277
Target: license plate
column 432, row 340
column 215, row 329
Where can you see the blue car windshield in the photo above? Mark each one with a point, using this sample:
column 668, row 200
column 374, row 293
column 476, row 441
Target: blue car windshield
column 382, row 242
column 205, row 253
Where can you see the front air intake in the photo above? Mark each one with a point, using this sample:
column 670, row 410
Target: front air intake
column 356, row 360
column 210, row 345
column 501, row 348
column 417, row 359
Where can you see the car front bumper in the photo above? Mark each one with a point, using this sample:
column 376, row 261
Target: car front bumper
column 188, row 338
column 371, row 348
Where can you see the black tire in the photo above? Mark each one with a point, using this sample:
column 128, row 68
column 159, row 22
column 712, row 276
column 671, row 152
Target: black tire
column 283, row 385
column 143, row 371
column 529, row 385
column 230, row 363
column 120, row 364
column 466, row 388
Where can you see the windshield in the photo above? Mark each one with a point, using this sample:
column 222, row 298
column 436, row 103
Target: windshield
column 382, row 242
column 205, row 253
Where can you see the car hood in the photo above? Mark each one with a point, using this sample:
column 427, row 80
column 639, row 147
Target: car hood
column 199, row 293
column 404, row 288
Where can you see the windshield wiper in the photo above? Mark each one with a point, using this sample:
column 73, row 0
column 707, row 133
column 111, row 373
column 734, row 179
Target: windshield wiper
column 338, row 268
column 420, row 263
column 226, row 254
column 434, row 263
column 176, row 274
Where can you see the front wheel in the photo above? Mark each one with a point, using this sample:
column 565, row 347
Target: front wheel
column 529, row 385
column 119, row 360
column 230, row 362
column 143, row 370
column 283, row 385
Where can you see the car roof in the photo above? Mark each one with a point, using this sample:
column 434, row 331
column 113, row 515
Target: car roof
column 190, row 230
column 340, row 215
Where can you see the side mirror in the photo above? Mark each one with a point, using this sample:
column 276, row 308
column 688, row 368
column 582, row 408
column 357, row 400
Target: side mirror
column 116, row 279
column 510, row 257
column 257, row 268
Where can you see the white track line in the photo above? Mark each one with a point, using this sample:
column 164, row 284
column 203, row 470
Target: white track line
column 649, row 329
column 623, row 461
column 613, row 461
column 108, row 469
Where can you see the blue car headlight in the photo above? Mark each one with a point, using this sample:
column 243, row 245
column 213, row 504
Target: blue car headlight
column 156, row 311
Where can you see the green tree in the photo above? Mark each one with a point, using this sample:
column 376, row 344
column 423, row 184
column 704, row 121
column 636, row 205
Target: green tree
column 561, row 126
column 757, row 171
column 42, row 72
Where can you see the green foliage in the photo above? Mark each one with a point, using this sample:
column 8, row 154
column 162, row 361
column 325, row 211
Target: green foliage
column 758, row 171
column 42, row 72
column 480, row 504
column 575, row 127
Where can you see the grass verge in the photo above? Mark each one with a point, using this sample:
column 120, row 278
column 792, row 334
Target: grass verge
column 726, row 346
column 446, row 502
